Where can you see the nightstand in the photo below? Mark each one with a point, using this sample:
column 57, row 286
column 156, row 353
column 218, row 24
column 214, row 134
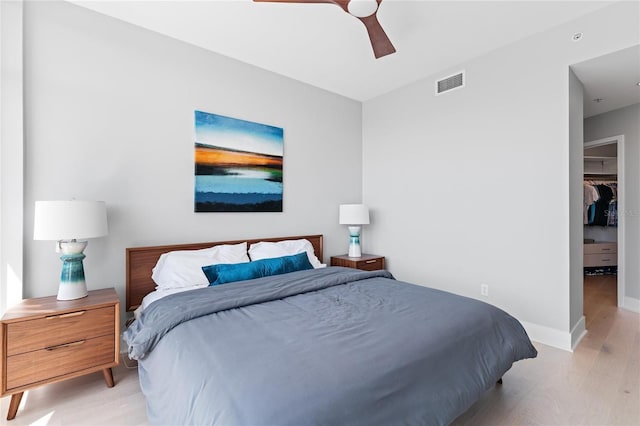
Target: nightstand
column 367, row 262
column 45, row 340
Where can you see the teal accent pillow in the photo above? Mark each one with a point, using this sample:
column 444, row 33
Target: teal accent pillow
column 227, row 273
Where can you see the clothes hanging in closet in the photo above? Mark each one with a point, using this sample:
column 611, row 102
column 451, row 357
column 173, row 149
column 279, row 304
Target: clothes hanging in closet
column 590, row 197
column 601, row 205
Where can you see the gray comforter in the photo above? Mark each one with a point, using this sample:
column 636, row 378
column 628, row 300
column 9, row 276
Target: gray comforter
column 331, row 346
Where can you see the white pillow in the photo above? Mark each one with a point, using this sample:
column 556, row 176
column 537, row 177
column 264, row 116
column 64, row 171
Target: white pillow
column 183, row 268
column 268, row 250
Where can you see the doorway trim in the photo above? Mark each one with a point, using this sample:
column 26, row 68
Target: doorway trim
column 619, row 140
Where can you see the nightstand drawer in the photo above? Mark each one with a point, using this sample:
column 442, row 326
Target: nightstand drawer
column 53, row 330
column 32, row 367
column 370, row 264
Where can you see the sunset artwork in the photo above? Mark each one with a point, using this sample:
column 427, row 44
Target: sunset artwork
column 238, row 165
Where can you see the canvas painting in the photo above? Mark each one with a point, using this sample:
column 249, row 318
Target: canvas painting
column 238, row 165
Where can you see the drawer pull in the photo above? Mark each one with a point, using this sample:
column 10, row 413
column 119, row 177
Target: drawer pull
column 606, row 260
column 69, row 315
column 371, row 261
column 66, row 345
column 605, row 249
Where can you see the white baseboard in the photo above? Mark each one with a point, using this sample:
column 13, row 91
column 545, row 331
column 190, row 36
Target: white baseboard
column 568, row 340
column 631, row 304
column 578, row 332
column 548, row 336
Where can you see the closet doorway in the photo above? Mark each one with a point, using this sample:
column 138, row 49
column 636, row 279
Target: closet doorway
column 604, row 225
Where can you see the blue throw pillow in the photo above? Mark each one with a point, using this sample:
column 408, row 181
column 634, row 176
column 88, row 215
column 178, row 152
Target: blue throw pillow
column 227, row 273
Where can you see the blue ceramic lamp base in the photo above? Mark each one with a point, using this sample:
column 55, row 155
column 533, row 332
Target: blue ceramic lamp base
column 354, row 241
column 72, row 283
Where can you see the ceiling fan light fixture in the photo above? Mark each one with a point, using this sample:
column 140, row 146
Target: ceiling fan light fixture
column 362, row 8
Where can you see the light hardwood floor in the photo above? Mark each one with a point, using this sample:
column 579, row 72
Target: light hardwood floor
column 82, row 401
column 598, row 384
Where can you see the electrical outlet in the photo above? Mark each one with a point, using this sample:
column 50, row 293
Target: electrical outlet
column 484, row 289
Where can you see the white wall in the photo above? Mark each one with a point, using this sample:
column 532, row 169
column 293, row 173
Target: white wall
column 625, row 121
column 109, row 116
column 601, row 233
column 576, row 203
column 473, row 186
column 11, row 153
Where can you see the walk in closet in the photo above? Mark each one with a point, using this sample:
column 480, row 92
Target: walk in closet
column 600, row 210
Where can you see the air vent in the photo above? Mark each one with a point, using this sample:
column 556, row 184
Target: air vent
column 450, row 83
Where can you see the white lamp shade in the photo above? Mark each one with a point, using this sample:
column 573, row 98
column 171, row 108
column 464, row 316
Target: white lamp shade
column 68, row 220
column 354, row 214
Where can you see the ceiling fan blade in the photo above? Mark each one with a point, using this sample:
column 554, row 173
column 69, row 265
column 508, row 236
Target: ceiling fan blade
column 379, row 41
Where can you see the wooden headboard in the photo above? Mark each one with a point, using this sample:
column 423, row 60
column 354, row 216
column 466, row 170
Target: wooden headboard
column 141, row 260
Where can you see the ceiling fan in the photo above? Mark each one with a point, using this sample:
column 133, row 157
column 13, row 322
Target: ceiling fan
column 365, row 11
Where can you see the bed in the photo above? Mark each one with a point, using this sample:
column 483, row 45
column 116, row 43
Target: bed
column 324, row 346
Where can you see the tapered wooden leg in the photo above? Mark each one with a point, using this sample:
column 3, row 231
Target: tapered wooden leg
column 13, row 405
column 108, row 377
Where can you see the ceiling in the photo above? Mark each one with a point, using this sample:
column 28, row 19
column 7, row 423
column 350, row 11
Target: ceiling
column 321, row 45
column 610, row 81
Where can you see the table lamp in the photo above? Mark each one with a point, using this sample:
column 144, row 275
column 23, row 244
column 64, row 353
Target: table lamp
column 354, row 215
column 67, row 222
